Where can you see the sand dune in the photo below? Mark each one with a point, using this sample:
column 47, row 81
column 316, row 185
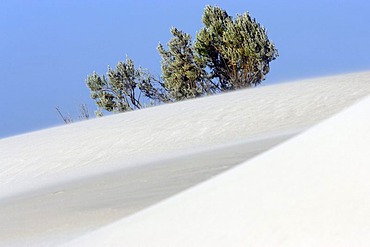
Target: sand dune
column 61, row 183
column 313, row 190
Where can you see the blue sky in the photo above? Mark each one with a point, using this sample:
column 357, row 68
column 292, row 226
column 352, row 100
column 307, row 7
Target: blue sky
column 47, row 47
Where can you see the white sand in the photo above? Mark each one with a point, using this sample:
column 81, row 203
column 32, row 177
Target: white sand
column 60, row 183
column 313, row 190
column 57, row 213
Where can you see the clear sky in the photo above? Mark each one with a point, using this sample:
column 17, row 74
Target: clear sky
column 48, row 47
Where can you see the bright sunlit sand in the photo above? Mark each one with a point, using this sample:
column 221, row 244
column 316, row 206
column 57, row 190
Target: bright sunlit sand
column 281, row 165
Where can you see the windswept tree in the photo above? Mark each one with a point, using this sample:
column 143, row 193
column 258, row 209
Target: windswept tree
column 228, row 53
column 236, row 52
column 182, row 76
column 118, row 91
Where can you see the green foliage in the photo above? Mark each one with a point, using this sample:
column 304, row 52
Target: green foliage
column 237, row 52
column 227, row 54
column 122, row 88
column 182, row 76
column 117, row 91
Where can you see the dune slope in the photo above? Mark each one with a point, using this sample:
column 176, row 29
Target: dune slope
column 60, row 183
column 313, row 190
column 54, row 155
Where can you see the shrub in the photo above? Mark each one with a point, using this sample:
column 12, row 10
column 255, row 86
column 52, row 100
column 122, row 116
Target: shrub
column 227, row 54
column 237, row 52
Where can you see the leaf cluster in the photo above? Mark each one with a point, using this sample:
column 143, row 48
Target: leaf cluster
column 122, row 88
column 237, row 52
